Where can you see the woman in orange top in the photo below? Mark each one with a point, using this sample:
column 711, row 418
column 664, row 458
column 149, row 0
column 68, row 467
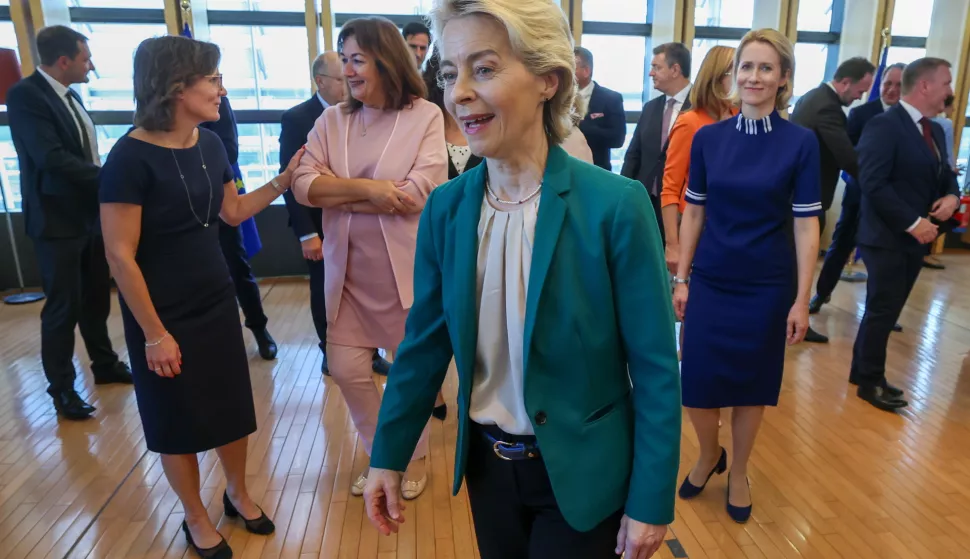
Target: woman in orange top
column 710, row 100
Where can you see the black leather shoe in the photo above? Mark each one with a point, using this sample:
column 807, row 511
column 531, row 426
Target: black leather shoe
column 221, row 551
column 814, row 337
column 897, row 327
column 266, row 344
column 381, row 365
column 262, row 526
column 69, row 405
column 933, row 264
column 880, row 398
column 324, row 367
column 688, row 490
column 815, row 305
column 119, row 373
column 891, row 390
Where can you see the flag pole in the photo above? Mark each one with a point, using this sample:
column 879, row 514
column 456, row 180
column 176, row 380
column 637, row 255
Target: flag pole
column 849, row 273
column 186, row 6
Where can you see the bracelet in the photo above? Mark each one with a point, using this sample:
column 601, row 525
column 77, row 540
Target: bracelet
column 155, row 343
column 682, row 281
column 276, row 186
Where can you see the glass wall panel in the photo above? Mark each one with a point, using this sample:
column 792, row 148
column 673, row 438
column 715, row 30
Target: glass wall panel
column 618, row 65
column 621, row 11
column 112, row 53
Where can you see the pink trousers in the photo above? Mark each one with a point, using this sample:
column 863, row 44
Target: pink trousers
column 352, row 369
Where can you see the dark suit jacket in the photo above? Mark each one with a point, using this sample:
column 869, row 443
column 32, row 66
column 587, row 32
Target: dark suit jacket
column 858, row 118
column 820, row 110
column 608, row 131
column 645, row 158
column 58, row 183
column 297, row 123
column 226, row 129
column 900, row 178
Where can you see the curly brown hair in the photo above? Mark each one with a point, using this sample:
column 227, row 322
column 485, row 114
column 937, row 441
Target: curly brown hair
column 164, row 66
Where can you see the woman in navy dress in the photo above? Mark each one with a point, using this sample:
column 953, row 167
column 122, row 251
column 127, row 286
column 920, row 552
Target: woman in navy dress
column 163, row 190
column 753, row 179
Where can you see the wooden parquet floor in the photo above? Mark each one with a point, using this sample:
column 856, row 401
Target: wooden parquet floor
column 830, row 476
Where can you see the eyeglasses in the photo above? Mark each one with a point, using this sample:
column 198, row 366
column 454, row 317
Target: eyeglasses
column 215, row 79
column 340, row 79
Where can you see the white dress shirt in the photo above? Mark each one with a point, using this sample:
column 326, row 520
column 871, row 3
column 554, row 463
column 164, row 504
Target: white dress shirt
column 325, row 107
column 505, row 241
column 586, row 93
column 86, row 126
column 679, row 99
column 917, row 116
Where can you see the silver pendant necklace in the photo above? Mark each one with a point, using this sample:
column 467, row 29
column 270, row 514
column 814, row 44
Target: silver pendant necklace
column 188, row 195
column 488, row 187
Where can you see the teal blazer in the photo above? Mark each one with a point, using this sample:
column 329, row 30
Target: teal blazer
column 600, row 351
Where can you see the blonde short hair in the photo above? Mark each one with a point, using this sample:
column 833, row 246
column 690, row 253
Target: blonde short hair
column 706, row 95
column 541, row 39
column 786, row 53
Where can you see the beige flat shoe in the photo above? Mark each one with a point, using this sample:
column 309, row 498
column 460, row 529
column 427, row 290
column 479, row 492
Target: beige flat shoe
column 410, row 490
column 357, row 489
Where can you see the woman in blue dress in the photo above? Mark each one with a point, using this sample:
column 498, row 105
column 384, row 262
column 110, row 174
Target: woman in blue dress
column 754, row 179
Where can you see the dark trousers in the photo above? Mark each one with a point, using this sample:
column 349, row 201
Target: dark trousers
column 318, row 302
column 515, row 511
column 247, row 290
column 655, row 200
column 892, row 274
column 77, row 283
column 843, row 243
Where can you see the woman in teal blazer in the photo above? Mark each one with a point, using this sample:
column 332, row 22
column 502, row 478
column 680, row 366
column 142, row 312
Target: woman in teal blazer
column 554, row 302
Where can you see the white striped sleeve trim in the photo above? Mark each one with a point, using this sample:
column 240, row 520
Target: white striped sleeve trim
column 695, row 196
column 806, row 208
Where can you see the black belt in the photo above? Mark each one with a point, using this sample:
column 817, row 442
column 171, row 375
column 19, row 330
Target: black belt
column 527, row 449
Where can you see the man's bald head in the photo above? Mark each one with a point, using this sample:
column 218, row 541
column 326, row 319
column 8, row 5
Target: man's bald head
column 329, row 78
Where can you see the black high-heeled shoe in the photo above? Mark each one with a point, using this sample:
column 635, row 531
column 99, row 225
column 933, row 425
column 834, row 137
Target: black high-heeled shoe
column 262, row 526
column 221, row 551
column 440, row 412
column 738, row 514
column 688, row 490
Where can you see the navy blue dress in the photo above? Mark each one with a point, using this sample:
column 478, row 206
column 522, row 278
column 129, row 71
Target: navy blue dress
column 752, row 177
column 211, row 403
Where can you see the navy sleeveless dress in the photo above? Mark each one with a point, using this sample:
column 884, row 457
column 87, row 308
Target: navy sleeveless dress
column 211, row 403
column 753, row 177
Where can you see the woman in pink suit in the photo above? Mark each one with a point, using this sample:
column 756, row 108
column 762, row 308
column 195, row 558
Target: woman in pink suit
column 370, row 163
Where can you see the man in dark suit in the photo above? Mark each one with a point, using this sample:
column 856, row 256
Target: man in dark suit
column 230, row 238
column 644, row 161
column 844, row 236
column 908, row 187
column 605, row 122
column 59, row 164
column 306, row 222
column 418, row 37
column 821, row 110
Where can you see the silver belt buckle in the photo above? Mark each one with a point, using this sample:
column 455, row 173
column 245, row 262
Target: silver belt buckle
column 495, row 449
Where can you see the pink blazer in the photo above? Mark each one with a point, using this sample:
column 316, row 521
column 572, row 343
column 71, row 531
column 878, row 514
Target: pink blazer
column 416, row 152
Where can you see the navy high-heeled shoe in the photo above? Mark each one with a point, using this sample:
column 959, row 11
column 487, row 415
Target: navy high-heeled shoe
column 688, row 490
column 738, row 514
column 221, row 551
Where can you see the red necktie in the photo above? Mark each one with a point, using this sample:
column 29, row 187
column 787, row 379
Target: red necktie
column 928, row 135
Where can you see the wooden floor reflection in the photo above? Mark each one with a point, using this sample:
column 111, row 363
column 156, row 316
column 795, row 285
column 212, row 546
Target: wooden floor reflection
column 831, row 476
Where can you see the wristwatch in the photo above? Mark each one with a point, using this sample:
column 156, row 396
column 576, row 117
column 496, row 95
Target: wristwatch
column 276, row 185
column 682, row 281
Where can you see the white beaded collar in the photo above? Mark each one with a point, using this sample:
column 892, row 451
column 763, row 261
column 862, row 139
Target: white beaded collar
column 753, row 127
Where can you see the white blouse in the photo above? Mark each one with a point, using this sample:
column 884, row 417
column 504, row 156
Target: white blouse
column 505, row 241
column 459, row 156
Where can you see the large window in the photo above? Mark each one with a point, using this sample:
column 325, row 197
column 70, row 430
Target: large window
column 910, row 27
column 963, row 153
column 395, row 7
column 617, row 11
column 266, row 70
column 113, row 48
column 623, row 74
column 9, row 171
column 817, row 46
column 719, row 22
